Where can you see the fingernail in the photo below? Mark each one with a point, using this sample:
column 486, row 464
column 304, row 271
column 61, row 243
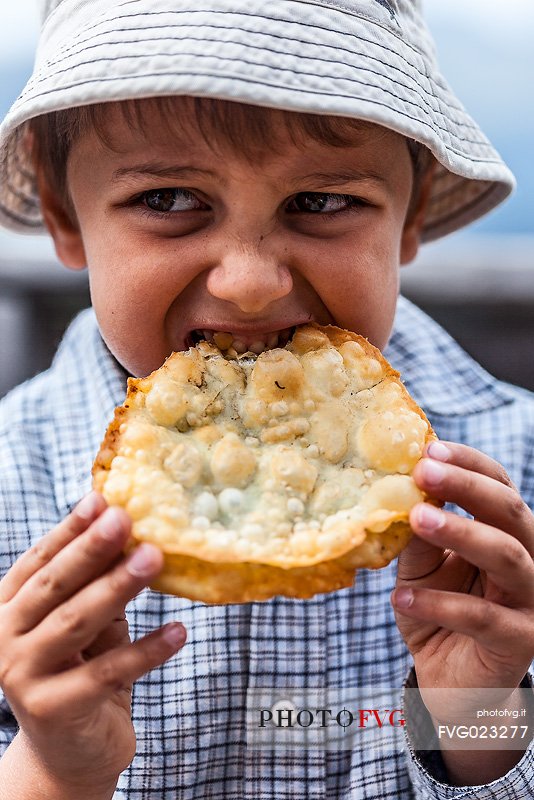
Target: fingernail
column 403, row 598
column 432, row 471
column 142, row 561
column 439, row 451
column 174, row 633
column 110, row 525
column 429, row 517
column 87, row 507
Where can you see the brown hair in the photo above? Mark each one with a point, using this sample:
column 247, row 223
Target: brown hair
column 246, row 128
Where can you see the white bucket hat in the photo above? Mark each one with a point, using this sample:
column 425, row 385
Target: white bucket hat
column 368, row 59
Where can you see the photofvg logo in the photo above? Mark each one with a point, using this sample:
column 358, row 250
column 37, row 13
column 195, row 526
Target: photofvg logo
column 284, row 714
column 378, row 717
column 324, row 720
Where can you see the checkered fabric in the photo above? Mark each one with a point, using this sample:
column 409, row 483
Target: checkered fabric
column 190, row 713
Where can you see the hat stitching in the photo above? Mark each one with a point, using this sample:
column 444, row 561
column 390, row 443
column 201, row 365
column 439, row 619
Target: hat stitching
column 333, row 6
column 278, row 86
column 431, row 94
column 481, row 142
column 274, row 68
column 446, row 130
column 412, row 89
column 68, row 47
column 422, row 72
column 415, row 89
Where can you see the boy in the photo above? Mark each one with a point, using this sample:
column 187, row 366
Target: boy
column 194, row 211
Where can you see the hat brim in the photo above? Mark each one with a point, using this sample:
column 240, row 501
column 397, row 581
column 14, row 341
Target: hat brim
column 306, row 57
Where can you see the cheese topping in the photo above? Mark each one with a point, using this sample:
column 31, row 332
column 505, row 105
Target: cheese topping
column 287, row 458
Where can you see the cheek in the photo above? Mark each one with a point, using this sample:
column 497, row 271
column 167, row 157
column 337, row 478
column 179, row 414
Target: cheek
column 130, row 328
column 132, row 295
column 132, row 274
column 360, row 288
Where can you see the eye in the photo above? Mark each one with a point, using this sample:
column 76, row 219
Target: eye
column 322, row 202
column 169, row 200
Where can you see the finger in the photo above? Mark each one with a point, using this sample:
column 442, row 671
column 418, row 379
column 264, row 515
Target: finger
column 73, row 626
column 485, row 498
column 114, row 635
column 504, row 631
column 82, row 688
column 74, row 566
column 43, row 551
column 423, row 564
column 500, row 555
column 118, row 670
column 469, row 458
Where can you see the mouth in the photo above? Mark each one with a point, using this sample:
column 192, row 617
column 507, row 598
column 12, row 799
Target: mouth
column 235, row 344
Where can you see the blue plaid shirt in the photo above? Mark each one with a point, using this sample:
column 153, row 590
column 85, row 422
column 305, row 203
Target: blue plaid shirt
column 190, row 713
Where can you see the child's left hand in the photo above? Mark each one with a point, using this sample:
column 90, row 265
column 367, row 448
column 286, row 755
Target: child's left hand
column 468, row 583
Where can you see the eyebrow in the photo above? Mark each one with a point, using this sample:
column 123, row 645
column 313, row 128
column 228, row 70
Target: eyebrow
column 337, row 178
column 316, row 179
column 157, row 170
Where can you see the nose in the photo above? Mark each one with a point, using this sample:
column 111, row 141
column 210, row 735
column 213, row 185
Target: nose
column 249, row 277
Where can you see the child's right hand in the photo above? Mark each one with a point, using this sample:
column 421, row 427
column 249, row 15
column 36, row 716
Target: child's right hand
column 66, row 661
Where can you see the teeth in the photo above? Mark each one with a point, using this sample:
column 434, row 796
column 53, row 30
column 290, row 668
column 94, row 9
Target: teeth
column 222, row 340
column 239, row 346
column 227, row 341
column 257, row 347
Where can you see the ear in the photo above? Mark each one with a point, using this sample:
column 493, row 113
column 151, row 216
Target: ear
column 415, row 218
column 62, row 226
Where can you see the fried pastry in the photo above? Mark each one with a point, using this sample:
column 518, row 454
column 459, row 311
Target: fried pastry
column 273, row 474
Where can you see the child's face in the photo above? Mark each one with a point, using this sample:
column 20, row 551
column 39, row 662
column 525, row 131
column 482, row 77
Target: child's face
column 180, row 236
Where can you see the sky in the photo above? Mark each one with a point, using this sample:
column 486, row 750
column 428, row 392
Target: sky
column 19, row 28
column 493, row 18
column 484, row 48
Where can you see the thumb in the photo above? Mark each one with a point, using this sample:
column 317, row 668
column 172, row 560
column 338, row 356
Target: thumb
column 419, row 560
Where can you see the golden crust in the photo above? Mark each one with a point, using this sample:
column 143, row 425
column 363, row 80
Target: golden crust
column 273, row 474
column 187, row 576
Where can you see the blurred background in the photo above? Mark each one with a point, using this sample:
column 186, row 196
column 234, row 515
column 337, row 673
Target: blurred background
column 479, row 284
